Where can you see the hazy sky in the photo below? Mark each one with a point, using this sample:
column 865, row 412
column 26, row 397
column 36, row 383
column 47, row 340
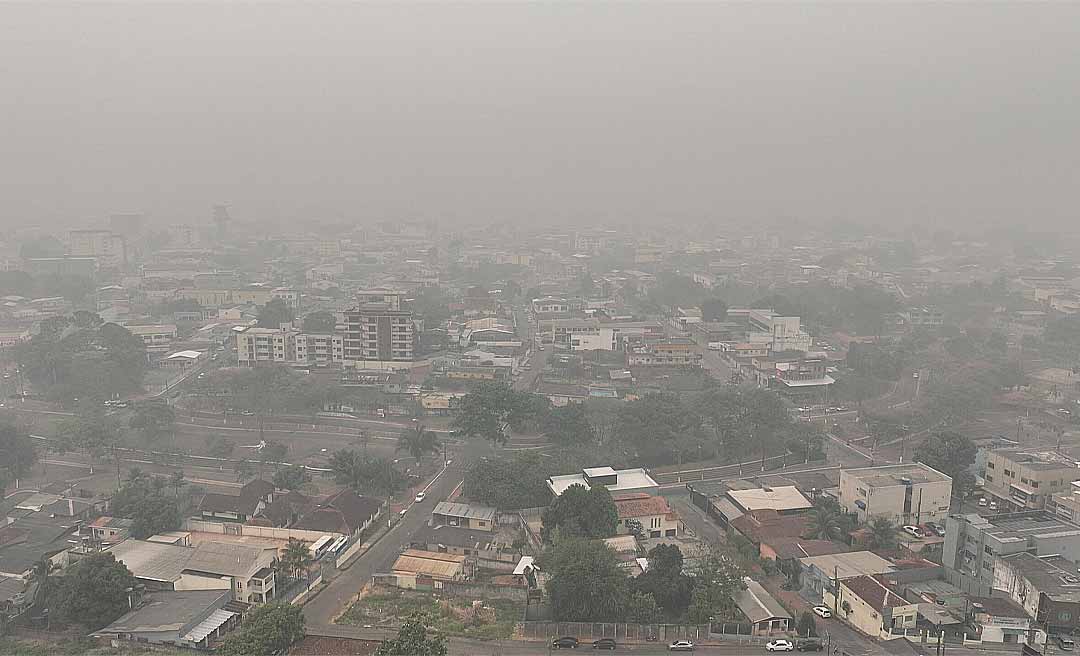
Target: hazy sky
column 541, row 112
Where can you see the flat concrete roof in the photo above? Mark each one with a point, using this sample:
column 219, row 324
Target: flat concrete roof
column 892, row 475
column 783, row 498
column 628, row 479
column 850, row 565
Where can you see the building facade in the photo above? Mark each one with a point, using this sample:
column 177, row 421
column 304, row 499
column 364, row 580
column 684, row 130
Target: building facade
column 377, row 332
column 1025, row 480
column 910, row 493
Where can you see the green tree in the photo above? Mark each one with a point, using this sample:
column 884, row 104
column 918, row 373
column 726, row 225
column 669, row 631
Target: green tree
column 825, row 524
column 569, row 425
column 418, row 442
column 18, row 453
column 416, row 637
column 275, row 313
column 151, row 419
column 142, row 498
column 509, row 483
column 951, row 454
column 634, row 528
column 641, row 608
column 657, row 426
column 296, row 559
column 365, row 475
column 807, row 626
column 292, row 477
column 581, row 512
column 665, row 580
column 219, row 447
column 882, row 534
column 585, row 582
column 269, row 629
column 94, row 591
column 718, row 577
column 319, row 323
column 491, row 410
column 177, row 482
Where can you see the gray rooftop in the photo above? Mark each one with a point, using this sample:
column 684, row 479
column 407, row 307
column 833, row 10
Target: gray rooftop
column 1008, row 527
column 893, row 475
column 757, row 604
column 1051, row 575
column 850, row 565
column 466, row 510
column 167, row 611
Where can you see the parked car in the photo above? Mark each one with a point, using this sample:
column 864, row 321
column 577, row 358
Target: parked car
column 420, row 497
column 936, row 529
column 681, row 645
column 993, row 505
column 604, row 643
column 565, row 642
column 1065, row 644
column 913, row 531
column 808, row 645
column 982, row 502
column 780, row 645
column 823, row 612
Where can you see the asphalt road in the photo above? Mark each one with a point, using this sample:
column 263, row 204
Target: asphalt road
column 337, row 595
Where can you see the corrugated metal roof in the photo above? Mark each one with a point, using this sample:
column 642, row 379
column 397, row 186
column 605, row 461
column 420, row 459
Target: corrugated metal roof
column 209, row 625
column 452, row 509
column 429, row 563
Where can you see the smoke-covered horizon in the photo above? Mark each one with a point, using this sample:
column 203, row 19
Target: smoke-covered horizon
column 941, row 115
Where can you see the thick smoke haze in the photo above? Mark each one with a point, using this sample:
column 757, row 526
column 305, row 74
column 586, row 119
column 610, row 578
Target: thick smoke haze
column 564, row 112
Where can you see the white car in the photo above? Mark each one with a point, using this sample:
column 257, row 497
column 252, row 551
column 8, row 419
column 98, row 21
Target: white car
column 681, row 645
column 913, row 531
column 780, row 645
column 993, row 505
column 420, row 497
column 982, row 502
column 823, row 612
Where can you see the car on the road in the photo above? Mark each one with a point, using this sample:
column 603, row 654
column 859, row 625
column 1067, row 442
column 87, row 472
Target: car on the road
column 420, row 496
column 913, row 531
column 247, row 413
column 541, row 347
column 804, row 409
column 1065, row 643
column 808, row 644
column 780, row 645
column 823, row 612
column 936, row 529
column 565, row 642
column 1064, row 411
column 982, row 502
column 915, row 375
column 993, row 505
column 604, row 643
column 681, row 645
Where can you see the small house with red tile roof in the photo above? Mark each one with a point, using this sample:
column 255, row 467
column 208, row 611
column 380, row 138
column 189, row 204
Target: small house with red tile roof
column 871, row 605
column 653, row 513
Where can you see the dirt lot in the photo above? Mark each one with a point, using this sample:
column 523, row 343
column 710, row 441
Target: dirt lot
column 385, row 607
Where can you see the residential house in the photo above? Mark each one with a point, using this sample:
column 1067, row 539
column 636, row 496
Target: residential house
column 191, row 618
column 819, row 572
column 871, row 605
column 763, row 611
column 107, row 529
column 908, row 493
column 785, row 500
column 1000, row 620
column 616, row 481
column 244, row 569
column 427, row 570
column 464, row 515
column 346, row 513
column 252, row 500
column 652, row 513
column 485, row 546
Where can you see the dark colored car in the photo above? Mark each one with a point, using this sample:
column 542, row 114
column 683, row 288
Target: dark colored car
column 604, row 643
column 808, row 645
column 566, row 642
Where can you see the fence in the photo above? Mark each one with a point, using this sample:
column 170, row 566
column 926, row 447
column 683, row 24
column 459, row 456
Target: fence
column 353, row 549
column 619, row 631
column 234, row 528
column 305, row 592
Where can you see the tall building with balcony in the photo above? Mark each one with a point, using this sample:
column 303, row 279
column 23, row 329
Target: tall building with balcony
column 320, row 350
column 378, row 333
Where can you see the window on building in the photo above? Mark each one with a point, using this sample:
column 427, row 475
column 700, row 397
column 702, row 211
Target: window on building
column 1009, row 473
column 989, row 478
column 988, row 550
column 1065, row 617
column 1023, row 480
column 990, row 465
column 1034, row 484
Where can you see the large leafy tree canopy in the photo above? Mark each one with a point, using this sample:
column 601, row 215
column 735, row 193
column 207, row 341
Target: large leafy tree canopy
column 143, row 498
column 949, row 453
column 93, row 592
column 319, row 323
column 269, row 629
column 275, row 313
column 414, row 638
column 665, row 581
column 585, row 581
column 365, row 474
column 569, row 425
column 17, row 453
column 491, row 409
column 508, row 483
column 581, row 512
column 80, row 357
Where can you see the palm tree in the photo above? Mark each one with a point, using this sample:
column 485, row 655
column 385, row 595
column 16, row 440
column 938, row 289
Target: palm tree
column 882, row 534
column 824, row 524
column 418, row 442
column 296, row 558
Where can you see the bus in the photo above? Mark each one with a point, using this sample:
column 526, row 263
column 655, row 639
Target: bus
column 320, row 546
column 338, row 544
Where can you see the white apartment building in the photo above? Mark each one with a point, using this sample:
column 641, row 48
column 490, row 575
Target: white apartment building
column 320, row 350
column 908, row 493
column 264, row 345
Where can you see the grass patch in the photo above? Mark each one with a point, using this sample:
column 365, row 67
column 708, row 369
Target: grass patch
column 453, row 617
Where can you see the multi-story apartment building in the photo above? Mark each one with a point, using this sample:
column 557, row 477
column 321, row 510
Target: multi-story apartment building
column 909, row 493
column 320, row 350
column 375, row 332
column 1047, row 587
column 674, row 352
column 1025, row 479
column 393, row 298
column 974, row 544
column 782, row 333
column 1066, row 504
column 109, row 249
column 255, row 346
